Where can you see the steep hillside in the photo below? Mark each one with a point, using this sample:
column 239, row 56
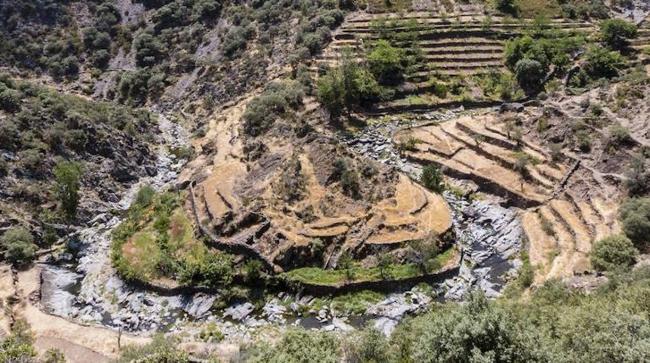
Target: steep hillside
column 205, row 179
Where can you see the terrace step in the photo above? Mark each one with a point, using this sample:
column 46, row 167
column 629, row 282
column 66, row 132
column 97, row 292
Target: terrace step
column 562, row 262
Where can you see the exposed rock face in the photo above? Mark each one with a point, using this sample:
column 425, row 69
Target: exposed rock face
column 395, row 307
column 491, row 237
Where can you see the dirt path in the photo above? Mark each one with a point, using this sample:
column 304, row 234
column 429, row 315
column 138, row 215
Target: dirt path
column 79, row 343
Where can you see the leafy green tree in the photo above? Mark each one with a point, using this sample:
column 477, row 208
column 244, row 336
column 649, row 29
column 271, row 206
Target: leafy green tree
column 613, row 253
column 432, row 178
column 635, row 217
column 507, row 6
column 331, row 92
column 385, row 63
column 18, row 245
column 371, row 346
column 616, row 32
column 425, row 252
column 68, row 181
column 601, row 62
column 530, row 74
column 638, row 176
column 476, row 332
column 346, row 263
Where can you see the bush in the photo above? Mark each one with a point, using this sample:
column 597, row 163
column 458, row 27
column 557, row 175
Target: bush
column 616, row 32
column 148, row 49
column 638, row 176
column 385, row 63
column 18, row 245
column 476, row 332
column 331, row 92
column 274, row 102
column 613, row 253
column 298, row 346
column 602, row 63
column 18, row 346
column 635, row 217
column 160, row 350
column 530, row 74
column 432, row 178
column 10, row 99
column 507, row 6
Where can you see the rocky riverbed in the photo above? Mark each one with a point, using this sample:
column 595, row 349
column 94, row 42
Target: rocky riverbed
column 490, row 235
column 83, row 286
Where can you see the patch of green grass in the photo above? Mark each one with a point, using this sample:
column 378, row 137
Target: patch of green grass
column 377, row 6
column 533, row 8
column 319, row 276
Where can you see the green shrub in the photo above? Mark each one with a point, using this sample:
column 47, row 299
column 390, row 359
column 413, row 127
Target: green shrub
column 10, row 99
column 638, row 176
column 161, row 349
column 149, row 50
column 530, row 74
column 432, row 178
column 18, row 346
column 331, row 92
column 298, row 346
column 277, row 99
column 618, row 135
column 385, row 63
column 613, row 253
column 602, row 63
column 144, row 196
column 370, row 346
column 476, row 332
column 616, row 32
column 635, row 217
column 18, row 245
column 507, row 6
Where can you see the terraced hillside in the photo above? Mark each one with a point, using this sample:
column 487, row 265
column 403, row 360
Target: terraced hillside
column 642, row 41
column 449, row 49
column 561, row 218
column 286, row 209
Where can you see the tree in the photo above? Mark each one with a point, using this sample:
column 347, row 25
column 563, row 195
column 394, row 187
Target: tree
column 432, row 178
column 616, row 32
column 507, row 6
column 530, row 74
column 331, row 92
column 638, row 176
column 385, row 63
column 18, row 245
column 613, row 253
column 346, row 263
column 635, row 217
column 476, row 332
column 425, row 252
column 68, row 181
column 602, row 62
column 371, row 346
